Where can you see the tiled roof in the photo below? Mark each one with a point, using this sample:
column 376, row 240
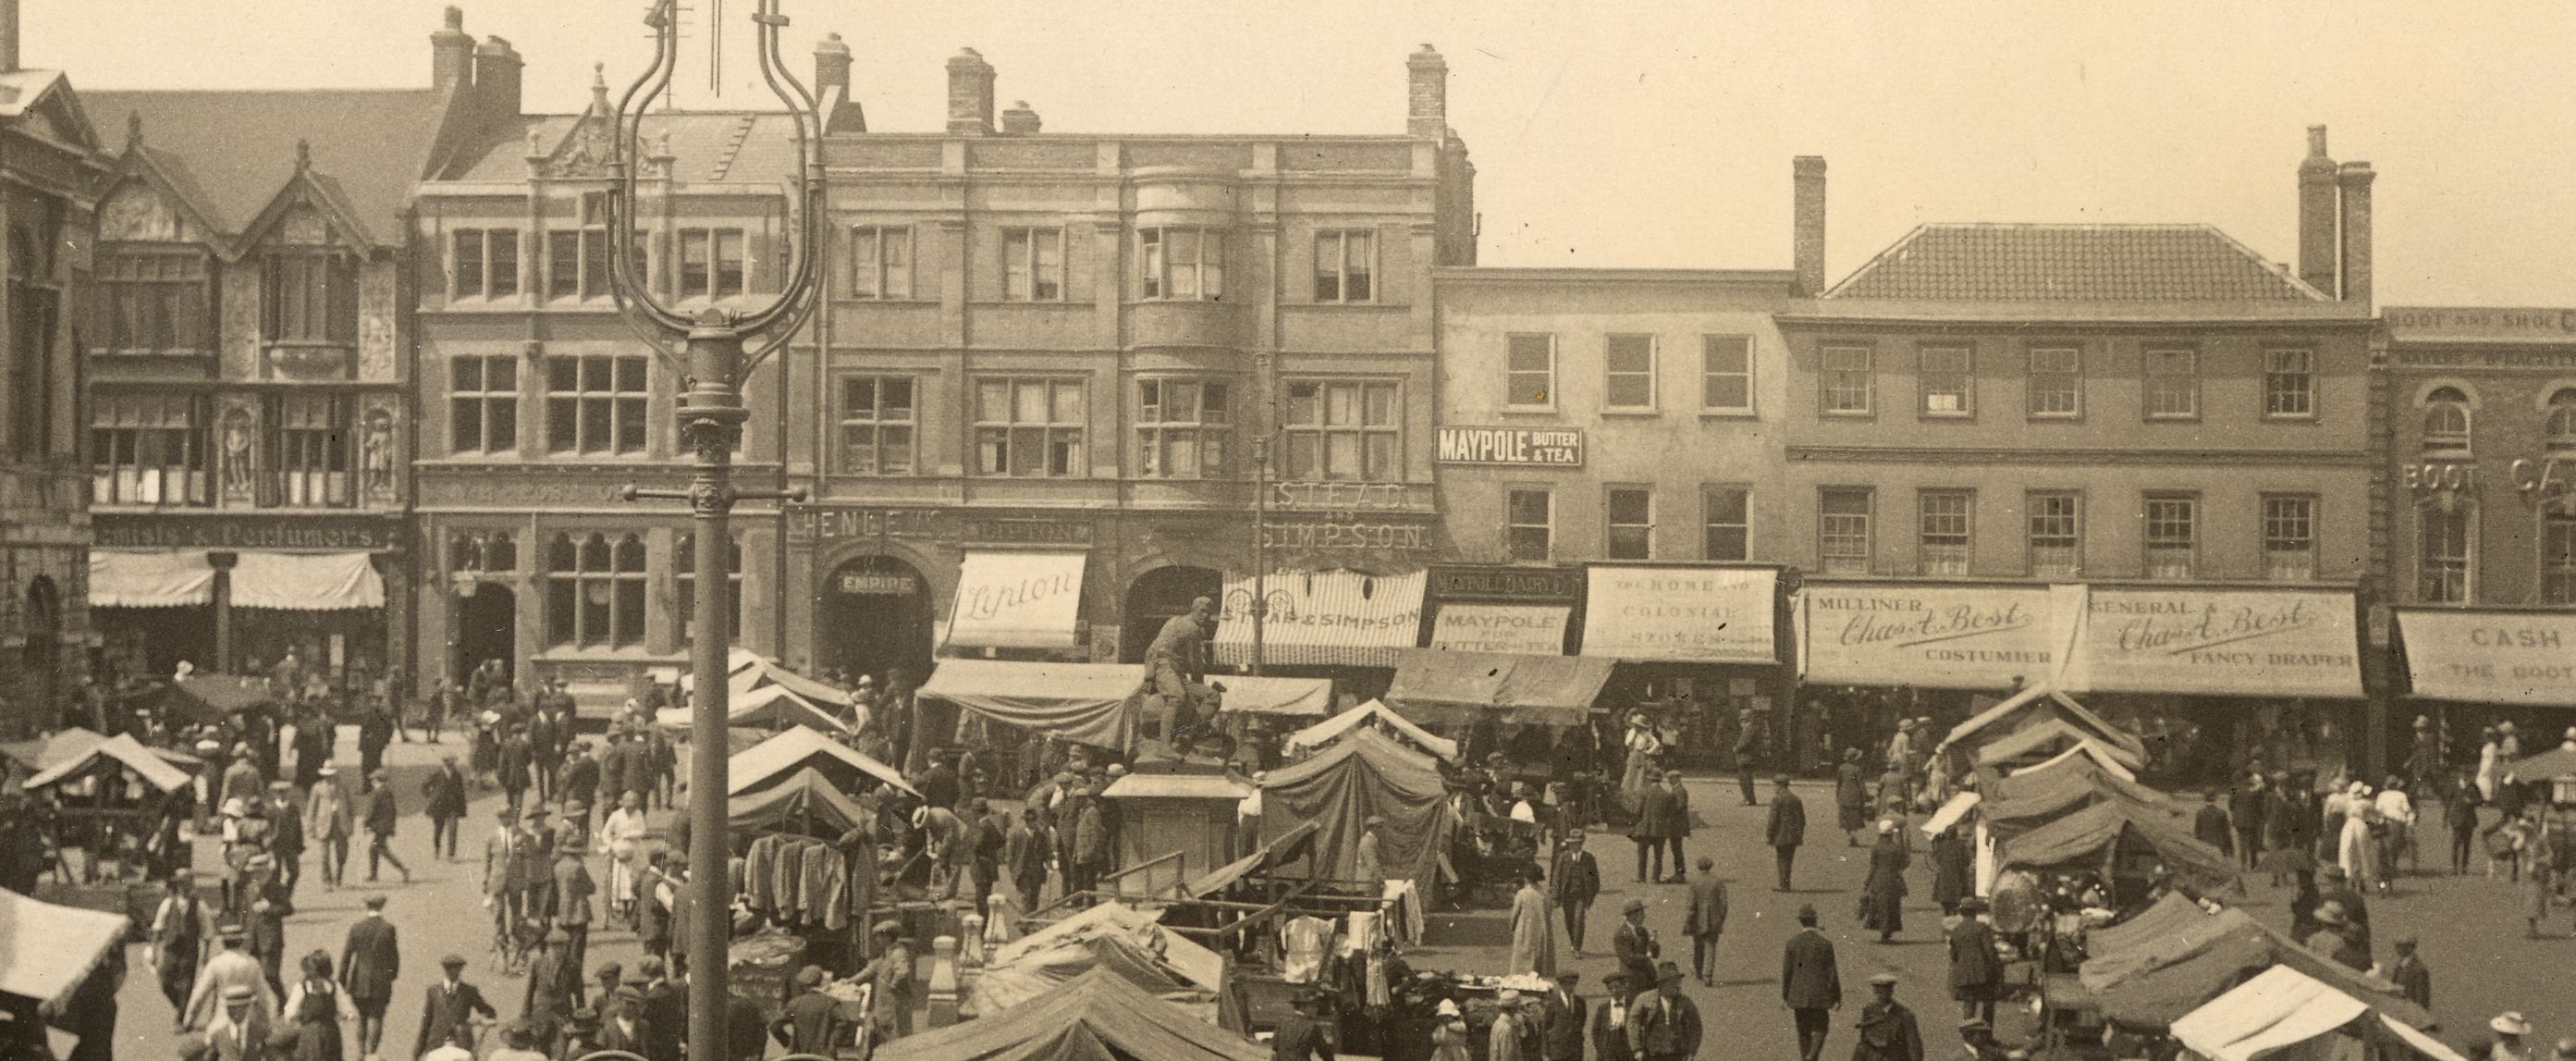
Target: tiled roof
column 706, row 146
column 239, row 146
column 2072, row 263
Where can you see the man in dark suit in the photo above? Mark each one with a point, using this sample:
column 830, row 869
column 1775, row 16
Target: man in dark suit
column 1634, row 945
column 450, row 1008
column 1561, row 1020
column 1888, row 1031
column 1705, row 921
column 1654, row 822
column 811, row 1023
column 1665, row 1026
column 1810, row 984
column 1609, row 1023
column 1976, row 971
column 1787, row 828
column 1301, row 1036
column 369, row 963
column 1578, row 881
column 665, row 1013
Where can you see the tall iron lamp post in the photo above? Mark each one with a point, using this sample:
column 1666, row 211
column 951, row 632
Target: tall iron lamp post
column 710, row 355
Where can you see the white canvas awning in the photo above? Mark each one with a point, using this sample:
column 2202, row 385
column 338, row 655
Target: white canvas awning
column 306, row 582
column 162, row 578
column 1016, row 600
column 1322, row 733
column 1322, row 618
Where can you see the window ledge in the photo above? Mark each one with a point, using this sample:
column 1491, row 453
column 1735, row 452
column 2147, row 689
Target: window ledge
column 1730, row 414
column 1847, row 414
column 1930, row 415
column 1527, row 410
column 1632, row 411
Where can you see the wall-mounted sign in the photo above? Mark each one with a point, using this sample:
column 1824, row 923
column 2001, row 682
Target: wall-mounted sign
column 2491, row 657
column 812, row 524
column 1930, row 636
column 2219, row 642
column 2440, row 475
column 1710, row 615
column 1384, row 537
column 886, row 583
column 211, row 530
column 1521, row 629
column 1557, row 447
column 2481, row 323
column 1497, row 583
column 1019, row 531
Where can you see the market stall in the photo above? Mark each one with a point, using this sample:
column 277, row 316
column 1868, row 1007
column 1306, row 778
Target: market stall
column 773, row 761
column 1363, row 774
column 1442, row 687
column 1087, row 703
column 767, row 707
column 2150, row 981
column 1328, row 730
column 1298, row 698
column 2125, row 846
column 47, row 950
column 1127, row 940
column 2037, row 744
column 2033, row 707
column 1098, row 1016
column 117, row 802
column 2283, row 1013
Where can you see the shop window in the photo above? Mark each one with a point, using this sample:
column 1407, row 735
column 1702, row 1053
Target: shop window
column 595, row 590
column 1843, row 380
column 2289, row 384
column 1345, row 266
column 1182, row 426
column 1726, row 373
column 2056, row 382
column 880, row 262
column 878, row 421
column 2561, row 427
column 1628, row 372
column 2444, row 542
column 1341, row 430
column 483, row 263
column 1630, row 513
column 595, row 403
column 2289, row 538
column 684, row 565
column 2172, row 535
column 483, row 404
column 2446, row 421
column 1032, row 265
column 2172, row 384
column 311, row 298
column 1031, row 428
column 1945, row 379
column 1529, row 373
column 1725, row 524
column 2558, row 558
column 1181, row 263
column 1529, row 524
column 712, row 263
column 152, row 302
column 2056, row 534
column 308, row 451
column 1842, row 529
column 149, row 449
column 1945, row 517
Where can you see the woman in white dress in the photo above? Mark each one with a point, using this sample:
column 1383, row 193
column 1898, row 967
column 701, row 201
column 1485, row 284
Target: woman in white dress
column 2353, row 848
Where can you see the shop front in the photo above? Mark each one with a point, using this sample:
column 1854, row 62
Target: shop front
column 1696, row 646
column 239, row 594
column 1340, row 624
column 1871, row 653
column 2471, row 668
column 1498, row 608
column 2212, row 678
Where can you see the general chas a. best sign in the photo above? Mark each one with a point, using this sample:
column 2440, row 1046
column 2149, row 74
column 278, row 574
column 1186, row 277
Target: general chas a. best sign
column 1696, row 615
column 1935, row 637
column 2220, row 642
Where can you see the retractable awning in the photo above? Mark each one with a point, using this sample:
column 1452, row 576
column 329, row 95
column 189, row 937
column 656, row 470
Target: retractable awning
column 1016, row 600
column 156, row 579
column 1088, row 703
column 306, row 582
column 1323, row 618
column 1441, row 687
column 2490, row 657
column 1310, row 697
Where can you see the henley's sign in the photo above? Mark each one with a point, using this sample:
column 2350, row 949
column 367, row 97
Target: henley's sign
column 1549, row 446
column 219, row 531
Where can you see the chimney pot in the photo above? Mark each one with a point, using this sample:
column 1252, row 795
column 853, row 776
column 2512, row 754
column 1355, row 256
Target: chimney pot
column 1020, row 120
column 496, row 77
column 451, row 53
column 9, row 36
column 970, row 94
column 1426, row 97
column 1807, row 243
column 2353, row 180
column 2317, row 214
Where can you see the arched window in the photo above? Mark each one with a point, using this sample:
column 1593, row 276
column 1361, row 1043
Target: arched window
column 2562, row 419
column 2446, row 420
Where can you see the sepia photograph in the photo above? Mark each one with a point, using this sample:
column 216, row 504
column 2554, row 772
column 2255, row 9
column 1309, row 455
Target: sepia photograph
column 1130, row 530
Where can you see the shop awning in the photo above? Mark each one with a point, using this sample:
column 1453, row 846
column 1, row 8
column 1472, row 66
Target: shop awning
column 1932, row 637
column 805, row 802
column 121, row 752
column 1088, row 703
column 773, row 761
column 306, row 582
column 1323, row 618
column 47, row 950
column 1310, row 697
column 2083, row 838
column 2202, row 641
column 2491, row 657
column 1527, row 629
column 156, row 579
column 1685, row 614
column 1460, row 688
column 1016, row 600
column 2035, row 706
column 1322, row 733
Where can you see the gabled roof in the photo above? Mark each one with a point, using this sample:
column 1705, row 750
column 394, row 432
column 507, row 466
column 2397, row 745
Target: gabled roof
column 1098, row 1016
column 47, row 93
column 239, row 147
column 2072, row 263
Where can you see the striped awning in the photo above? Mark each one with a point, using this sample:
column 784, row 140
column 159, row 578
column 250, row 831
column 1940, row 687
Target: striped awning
column 1323, row 618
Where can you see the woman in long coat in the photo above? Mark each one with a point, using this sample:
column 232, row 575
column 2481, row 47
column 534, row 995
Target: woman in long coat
column 1882, row 897
column 1851, row 797
column 1953, row 869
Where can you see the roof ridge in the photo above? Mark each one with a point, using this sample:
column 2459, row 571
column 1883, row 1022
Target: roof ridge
column 311, row 91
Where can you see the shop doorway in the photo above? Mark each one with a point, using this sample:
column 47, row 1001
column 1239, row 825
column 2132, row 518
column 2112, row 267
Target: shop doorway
column 487, row 627
column 1154, row 598
column 872, row 617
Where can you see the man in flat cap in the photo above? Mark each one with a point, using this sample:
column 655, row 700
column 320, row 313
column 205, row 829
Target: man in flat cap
column 1665, row 1026
column 1888, row 1031
column 450, row 1007
column 811, row 1023
column 1976, row 971
column 1634, row 945
column 892, row 973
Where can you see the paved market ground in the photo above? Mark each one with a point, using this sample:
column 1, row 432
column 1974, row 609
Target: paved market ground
column 2471, row 928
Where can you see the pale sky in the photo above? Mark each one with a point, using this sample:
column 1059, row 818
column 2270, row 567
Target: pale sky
column 1641, row 134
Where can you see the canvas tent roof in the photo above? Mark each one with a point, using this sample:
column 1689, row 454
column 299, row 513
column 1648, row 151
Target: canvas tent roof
column 773, row 761
column 2026, row 708
column 2048, row 739
column 45, row 950
column 1283, row 849
column 2282, row 1007
column 2101, row 755
column 1311, row 697
column 1097, row 1016
column 2087, row 834
column 764, row 672
column 1363, row 774
column 2545, row 766
column 1322, row 733
column 1441, row 686
column 769, row 705
column 122, row 750
column 1128, row 940
column 214, row 697
column 2158, row 979
column 805, row 797
column 2171, row 914
column 1088, row 703
column 2041, row 794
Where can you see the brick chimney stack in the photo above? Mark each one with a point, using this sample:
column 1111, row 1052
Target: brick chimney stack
column 831, row 72
column 2353, row 180
column 1020, row 120
column 1807, row 233
column 1426, row 95
column 451, row 53
column 8, row 36
column 496, row 77
column 970, row 94
column 2317, row 214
